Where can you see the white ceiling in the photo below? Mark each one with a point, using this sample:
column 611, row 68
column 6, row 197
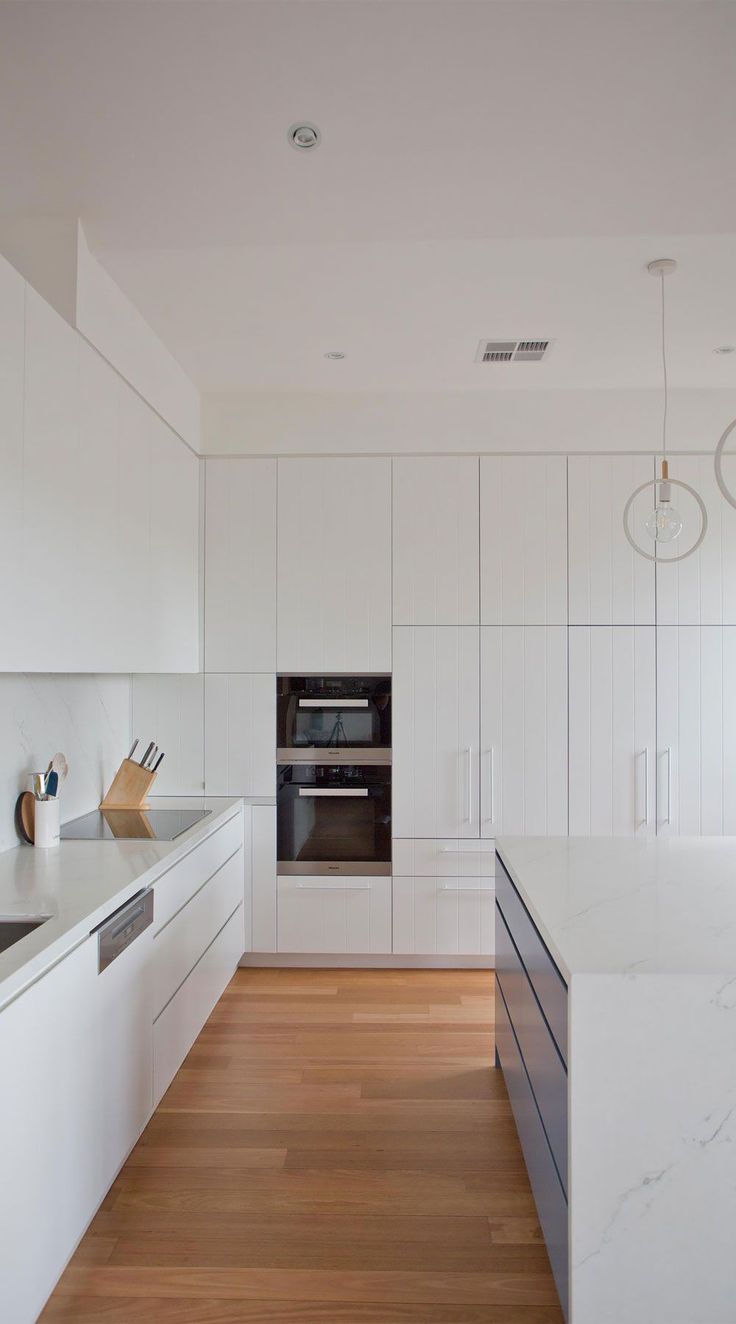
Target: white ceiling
column 487, row 169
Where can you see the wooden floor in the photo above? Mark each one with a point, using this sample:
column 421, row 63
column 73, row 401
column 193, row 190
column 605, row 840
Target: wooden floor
column 336, row 1149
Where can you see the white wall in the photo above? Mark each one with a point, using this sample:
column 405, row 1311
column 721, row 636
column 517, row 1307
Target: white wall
column 86, row 717
column 447, row 422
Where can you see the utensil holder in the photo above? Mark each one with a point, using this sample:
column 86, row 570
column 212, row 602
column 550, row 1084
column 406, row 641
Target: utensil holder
column 46, row 827
column 129, row 787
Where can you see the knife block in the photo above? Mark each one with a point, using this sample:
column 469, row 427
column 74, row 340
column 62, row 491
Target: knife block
column 129, row 787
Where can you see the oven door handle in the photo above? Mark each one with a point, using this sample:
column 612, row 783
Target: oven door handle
column 333, row 703
column 313, row 791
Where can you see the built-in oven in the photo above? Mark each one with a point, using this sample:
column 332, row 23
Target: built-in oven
column 334, row 818
column 341, row 718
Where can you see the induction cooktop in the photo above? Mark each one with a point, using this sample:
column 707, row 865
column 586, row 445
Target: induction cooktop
column 132, row 824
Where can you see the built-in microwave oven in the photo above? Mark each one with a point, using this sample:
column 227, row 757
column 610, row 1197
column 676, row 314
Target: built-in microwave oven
column 334, row 818
column 338, row 718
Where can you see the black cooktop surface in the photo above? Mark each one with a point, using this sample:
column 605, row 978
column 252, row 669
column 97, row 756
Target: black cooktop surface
column 131, row 824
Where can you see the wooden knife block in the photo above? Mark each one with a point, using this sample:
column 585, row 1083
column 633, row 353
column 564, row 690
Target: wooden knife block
column 129, row 788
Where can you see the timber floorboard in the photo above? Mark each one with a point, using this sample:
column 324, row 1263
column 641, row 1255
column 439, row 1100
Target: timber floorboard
column 337, row 1148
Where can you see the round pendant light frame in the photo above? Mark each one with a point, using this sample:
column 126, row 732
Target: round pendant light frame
column 718, row 462
column 655, row 483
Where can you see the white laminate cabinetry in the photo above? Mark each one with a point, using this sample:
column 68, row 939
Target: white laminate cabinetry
column 240, row 565
column 170, row 710
column 429, row 858
column 701, row 589
column 12, row 372
column 179, row 944
column 240, row 734
column 612, row 730
column 609, row 584
column 263, row 879
column 322, row 913
column 435, row 540
column 173, row 632
column 334, row 565
column 436, row 727
column 696, row 730
column 443, row 916
column 180, row 1022
column 523, row 540
column 523, row 742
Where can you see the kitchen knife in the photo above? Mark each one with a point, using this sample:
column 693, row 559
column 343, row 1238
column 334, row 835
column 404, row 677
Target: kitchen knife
column 144, row 760
column 153, row 755
column 135, row 746
column 157, row 764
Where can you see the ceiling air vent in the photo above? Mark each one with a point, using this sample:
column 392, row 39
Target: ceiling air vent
column 511, row 351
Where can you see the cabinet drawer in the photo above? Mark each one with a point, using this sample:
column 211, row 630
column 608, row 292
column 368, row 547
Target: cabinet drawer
column 178, row 947
column 182, row 1019
column 322, row 913
column 182, row 880
column 549, row 1196
column 543, row 1063
column 546, row 979
column 443, row 916
column 432, row 857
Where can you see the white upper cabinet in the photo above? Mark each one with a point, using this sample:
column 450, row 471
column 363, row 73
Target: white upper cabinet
column 240, row 734
column 523, row 742
column 700, row 590
column 609, row 583
column 523, row 540
column 436, row 729
column 435, row 540
column 173, row 639
column 240, row 565
column 12, row 353
column 334, row 565
column 696, row 730
column 612, row 730
column 101, row 499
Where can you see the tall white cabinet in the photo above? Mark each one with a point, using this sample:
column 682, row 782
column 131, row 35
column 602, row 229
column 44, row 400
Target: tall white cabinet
column 240, row 565
column 334, row 565
column 436, row 530
column 523, row 542
column 609, row 584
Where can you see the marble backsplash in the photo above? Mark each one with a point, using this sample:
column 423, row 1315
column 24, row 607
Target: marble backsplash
column 86, row 717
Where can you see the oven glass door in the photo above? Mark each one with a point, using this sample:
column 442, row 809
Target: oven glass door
column 334, row 819
column 334, row 713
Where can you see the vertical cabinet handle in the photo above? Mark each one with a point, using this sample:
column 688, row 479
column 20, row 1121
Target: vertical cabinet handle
column 469, row 757
column 646, row 786
column 491, row 788
column 668, row 753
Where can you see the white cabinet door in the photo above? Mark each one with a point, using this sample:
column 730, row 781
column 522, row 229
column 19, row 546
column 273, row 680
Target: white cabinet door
column 52, row 470
column 337, row 915
column 609, row 583
column 435, row 715
column 98, row 629
column 13, row 602
column 523, row 681
column 435, row 540
column 612, row 730
column 170, row 710
column 523, row 540
column 696, row 730
column 173, row 638
column 700, row 590
column 443, row 917
column 334, row 565
column 240, row 734
column 240, row 565
column 263, row 878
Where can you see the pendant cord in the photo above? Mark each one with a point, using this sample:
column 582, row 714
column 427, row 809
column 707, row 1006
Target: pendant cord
column 664, row 372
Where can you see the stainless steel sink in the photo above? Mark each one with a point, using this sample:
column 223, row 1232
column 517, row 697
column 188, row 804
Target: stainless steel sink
column 12, row 930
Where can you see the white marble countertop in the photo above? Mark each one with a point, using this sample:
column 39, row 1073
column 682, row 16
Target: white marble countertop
column 78, row 883
column 615, row 905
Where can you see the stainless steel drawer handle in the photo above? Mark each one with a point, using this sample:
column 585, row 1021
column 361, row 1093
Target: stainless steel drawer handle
column 339, row 887
column 447, row 887
column 333, row 703
column 312, row 792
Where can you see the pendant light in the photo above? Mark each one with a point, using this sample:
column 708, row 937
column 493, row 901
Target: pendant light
column 665, row 523
column 719, row 465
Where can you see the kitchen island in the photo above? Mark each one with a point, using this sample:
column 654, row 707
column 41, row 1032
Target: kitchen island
column 616, row 1033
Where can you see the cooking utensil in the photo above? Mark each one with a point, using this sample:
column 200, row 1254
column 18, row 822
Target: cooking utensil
column 157, row 764
column 145, row 758
column 134, row 748
column 25, row 816
column 153, row 755
column 39, row 785
column 52, row 785
column 60, row 765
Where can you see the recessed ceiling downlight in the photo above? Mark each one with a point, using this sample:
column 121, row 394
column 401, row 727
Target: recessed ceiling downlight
column 304, row 137
column 334, row 354
column 724, row 349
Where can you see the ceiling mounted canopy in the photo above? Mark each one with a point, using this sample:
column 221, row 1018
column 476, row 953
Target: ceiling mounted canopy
column 664, row 524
